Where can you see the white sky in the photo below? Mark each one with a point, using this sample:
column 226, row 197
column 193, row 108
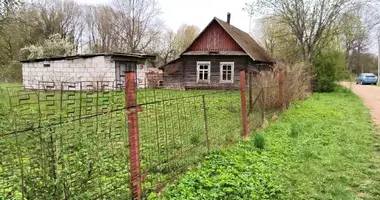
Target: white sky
column 197, row 12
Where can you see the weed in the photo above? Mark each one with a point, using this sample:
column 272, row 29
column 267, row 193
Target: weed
column 195, row 140
column 259, row 141
column 295, row 130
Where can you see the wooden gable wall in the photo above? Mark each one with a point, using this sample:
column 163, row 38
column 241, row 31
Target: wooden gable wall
column 214, row 38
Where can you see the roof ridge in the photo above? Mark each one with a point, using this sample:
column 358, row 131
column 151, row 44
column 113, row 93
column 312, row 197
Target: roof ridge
column 243, row 44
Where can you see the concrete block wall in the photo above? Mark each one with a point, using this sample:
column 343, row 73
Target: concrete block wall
column 94, row 69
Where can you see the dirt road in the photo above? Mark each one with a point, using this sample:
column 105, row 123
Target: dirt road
column 371, row 98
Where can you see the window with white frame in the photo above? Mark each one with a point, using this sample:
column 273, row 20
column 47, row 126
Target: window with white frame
column 203, row 72
column 227, row 72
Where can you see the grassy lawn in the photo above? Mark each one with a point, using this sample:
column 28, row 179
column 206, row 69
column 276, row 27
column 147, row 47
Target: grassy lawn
column 323, row 148
column 90, row 157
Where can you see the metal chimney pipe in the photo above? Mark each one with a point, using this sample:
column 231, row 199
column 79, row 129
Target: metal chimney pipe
column 228, row 18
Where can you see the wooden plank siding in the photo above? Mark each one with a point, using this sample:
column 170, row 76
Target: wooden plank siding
column 173, row 76
column 214, row 38
column 190, row 71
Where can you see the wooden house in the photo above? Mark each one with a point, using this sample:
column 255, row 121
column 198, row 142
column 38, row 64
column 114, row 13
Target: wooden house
column 215, row 58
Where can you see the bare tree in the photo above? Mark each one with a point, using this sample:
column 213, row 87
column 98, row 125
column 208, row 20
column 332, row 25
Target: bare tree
column 168, row 48
column 170, row 44
column 56, row 16
column 271, row 32
column 354, row 37
column 100, row 29
column 278, row 40
column 138, row 23
column 7, row 7
column 310, row 21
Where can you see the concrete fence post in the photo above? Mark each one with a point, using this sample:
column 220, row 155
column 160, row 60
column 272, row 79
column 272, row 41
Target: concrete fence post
column 243, row 103
column 133, row 134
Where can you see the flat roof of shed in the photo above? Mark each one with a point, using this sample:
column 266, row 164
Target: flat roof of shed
column 126, row 56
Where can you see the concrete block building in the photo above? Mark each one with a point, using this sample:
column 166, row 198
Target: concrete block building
column 87, row 68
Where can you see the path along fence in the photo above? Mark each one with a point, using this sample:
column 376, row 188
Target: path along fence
column 98, row 140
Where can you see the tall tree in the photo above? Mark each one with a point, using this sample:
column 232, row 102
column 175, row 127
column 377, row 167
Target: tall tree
column 7, row 7
column 171, row 44
column 58, row 16
column 278, row 40
column 138, row 23
column 354, row 36
column 168, row 50
column 100, row 29
column 309, row 20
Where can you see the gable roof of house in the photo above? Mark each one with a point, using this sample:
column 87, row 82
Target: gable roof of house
column 243, row 39
column 246, row 42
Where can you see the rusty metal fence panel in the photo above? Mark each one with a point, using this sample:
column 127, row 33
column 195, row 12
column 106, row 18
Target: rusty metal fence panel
column 65, row 143
column 72, row 140
column 178, row 129
column 264, row 100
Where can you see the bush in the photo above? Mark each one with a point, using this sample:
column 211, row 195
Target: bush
column 297, row 83
column 325, row 84
column 328, row 68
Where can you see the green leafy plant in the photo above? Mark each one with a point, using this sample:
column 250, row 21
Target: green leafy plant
column 295, row 130
column 259, row 141
column 195, row 140
column 328, row 68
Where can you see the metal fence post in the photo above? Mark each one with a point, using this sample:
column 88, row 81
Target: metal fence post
column 133, row 134
column 281, row 82
column 206, row 122
column 243, row 103
column 262, row 106
column 250, row 89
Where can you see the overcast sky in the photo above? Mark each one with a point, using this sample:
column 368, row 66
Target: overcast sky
column 197, row 12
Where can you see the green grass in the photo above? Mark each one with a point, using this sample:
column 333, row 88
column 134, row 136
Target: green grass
column 91, row 157
column 323, row 148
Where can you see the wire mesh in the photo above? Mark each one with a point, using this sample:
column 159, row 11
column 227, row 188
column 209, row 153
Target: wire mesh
column 178, row 128
column 263, row 99
column 68, row 141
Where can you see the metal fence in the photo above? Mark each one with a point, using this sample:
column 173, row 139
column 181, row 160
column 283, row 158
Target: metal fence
column 65, row 144
column 95, row 140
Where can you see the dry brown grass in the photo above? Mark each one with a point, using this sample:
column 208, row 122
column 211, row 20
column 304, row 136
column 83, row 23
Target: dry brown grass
column 297, row 84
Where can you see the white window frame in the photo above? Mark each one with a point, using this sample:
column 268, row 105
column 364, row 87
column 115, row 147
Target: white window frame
column 209, row 71
column 232, row 72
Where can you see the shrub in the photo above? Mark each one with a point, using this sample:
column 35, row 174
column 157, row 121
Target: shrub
column 11, row 73
column 328, row 67
column 297, row 84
